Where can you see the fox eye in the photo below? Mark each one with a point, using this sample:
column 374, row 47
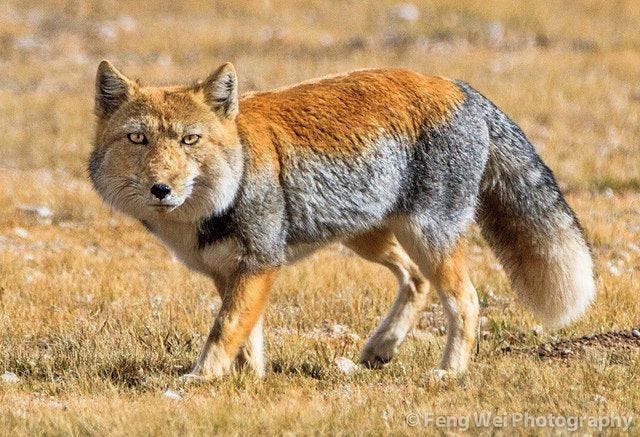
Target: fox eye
column 190, row 139
column 137, row 138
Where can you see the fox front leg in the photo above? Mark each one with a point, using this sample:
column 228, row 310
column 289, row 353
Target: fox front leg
column 251, row 354
column 242, row 305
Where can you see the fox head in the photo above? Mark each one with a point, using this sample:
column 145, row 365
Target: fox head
column 170, row 152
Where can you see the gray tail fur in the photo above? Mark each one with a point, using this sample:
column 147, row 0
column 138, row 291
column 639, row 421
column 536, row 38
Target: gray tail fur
column 530, row 227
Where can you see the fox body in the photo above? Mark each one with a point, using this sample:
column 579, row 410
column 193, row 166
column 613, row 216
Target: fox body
column 394, row 164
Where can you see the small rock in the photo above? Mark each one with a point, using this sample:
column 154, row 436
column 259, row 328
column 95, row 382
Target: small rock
column 127, row 23
column 21, row 232
column 483, row 322
column 353, row 337
column 172, row 395
column 493, row 296
column 432, row 377
column 42, row 213
column 566, row 352
column 635, row 333
column 334, row 330
column 407, row 12
column 613, row 268
column 107, row 32
column 496, row 32
column 28, row 42
column 156, row 302
column 537, row 330
column 10, row 378
column 485, row 334
column 326, row 40
column 608, row 193
column 385, row 416
column 337, row 329
column 438, row 374
column 164, row 59
column 545, row 348
column 345, row 365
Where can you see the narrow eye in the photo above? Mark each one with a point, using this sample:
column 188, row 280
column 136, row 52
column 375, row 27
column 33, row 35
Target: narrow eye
column 137, row 138
column 190, row 139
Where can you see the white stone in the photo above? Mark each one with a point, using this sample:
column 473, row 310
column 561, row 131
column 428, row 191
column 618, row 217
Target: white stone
column 634, row 247
column 407, row 12
column 345, row 365
column 170, row 394
column 40, row 211
column 107, row 32
column 127, row 23
column 164, row 59
column 10, row 378
column 438, row 374
column 21, row 232
column 613, row 268
column 496, row 32
column 608, row 193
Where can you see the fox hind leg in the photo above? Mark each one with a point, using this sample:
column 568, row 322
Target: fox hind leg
column 447, row 272
column 380, row 246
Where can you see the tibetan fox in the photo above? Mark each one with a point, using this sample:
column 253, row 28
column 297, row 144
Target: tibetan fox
column 393, row 164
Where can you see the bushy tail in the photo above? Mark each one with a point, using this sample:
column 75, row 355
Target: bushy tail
column 532, row 230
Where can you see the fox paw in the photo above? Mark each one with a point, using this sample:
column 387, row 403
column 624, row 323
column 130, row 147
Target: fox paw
column 376, row 358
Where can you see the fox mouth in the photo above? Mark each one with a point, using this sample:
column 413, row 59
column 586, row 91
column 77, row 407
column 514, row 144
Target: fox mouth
column 165, row 207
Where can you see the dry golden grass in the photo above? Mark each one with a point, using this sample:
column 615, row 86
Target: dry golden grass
column 97, row 319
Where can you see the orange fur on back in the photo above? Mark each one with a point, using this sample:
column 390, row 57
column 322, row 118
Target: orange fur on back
column 343, row 114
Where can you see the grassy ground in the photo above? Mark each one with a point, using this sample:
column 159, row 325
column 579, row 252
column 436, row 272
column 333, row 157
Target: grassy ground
column 97, row 319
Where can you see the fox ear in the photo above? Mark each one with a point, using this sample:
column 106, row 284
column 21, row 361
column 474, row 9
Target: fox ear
column 221, row 91
column 112, row 89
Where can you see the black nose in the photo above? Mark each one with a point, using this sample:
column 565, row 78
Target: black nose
column 160, row 191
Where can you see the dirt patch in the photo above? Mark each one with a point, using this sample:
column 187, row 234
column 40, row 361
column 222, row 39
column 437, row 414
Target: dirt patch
column 576, row 347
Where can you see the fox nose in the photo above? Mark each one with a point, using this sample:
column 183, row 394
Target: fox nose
column 160, row 191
